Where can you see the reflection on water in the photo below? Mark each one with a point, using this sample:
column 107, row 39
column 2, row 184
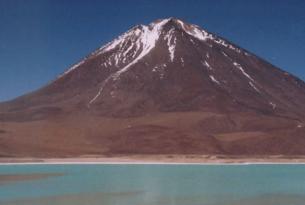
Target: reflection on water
column 154, row 185
column 280, row 199
column 11, row 178
column 139, row 198
column 77, row 199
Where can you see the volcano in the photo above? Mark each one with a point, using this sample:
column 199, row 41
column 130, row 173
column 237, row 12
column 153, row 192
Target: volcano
column 169, row 87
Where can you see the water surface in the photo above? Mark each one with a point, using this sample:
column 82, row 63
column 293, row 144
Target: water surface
column 153, row 185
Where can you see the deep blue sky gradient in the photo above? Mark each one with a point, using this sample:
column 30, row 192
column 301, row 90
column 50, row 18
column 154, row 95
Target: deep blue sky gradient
column 39, row 39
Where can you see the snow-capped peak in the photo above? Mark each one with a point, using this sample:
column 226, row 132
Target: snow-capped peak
column 195, row 31
column 137, row 42
column 148, row 40
column 144, row 43
column 153, row 31
column 141, row 36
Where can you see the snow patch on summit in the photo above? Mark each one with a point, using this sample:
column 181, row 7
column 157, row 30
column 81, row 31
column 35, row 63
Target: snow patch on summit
column 227, row 45
column 171, row 43
column 202, row 35
column 146, row 40
column 195, row 31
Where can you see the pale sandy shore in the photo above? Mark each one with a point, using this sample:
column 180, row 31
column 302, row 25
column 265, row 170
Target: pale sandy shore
column 159, row 159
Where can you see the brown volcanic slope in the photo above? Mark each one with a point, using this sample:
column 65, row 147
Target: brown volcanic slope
column 166, row 88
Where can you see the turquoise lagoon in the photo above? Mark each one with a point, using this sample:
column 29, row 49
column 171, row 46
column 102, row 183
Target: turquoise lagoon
column 154, row 185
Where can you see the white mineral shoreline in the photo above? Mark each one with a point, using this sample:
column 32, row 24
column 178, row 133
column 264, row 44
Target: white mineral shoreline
column 155, row 160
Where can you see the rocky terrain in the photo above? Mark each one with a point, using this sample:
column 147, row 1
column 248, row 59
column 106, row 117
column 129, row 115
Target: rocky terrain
column 166, row 88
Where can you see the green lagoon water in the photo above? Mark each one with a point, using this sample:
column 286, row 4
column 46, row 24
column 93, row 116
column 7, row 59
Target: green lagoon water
column 155, row 185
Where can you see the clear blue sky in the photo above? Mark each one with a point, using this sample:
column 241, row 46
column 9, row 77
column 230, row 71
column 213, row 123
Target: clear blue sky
column 39, row 39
